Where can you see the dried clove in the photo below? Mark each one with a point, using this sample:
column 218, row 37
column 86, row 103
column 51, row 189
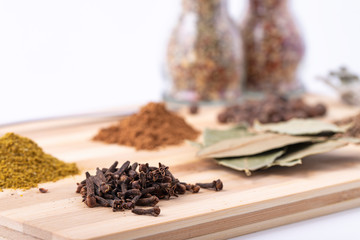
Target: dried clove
column 90, row 201
column 149, row 201
column 148, row 190
column 90, row 189
column 102, row 201
column 117, row 205
column 144, row 168
column 180, row 188
column 100, row 175
column 99, row 181
column 216, row 184
column 195, row 188
column 122, row 169
column 112, row 168
column 136, row 184
column 155, row 211
column 132, row 192
column 192, row 187
column 79, row 187
column 108, row 196
column 43, row 190
column 83, row 191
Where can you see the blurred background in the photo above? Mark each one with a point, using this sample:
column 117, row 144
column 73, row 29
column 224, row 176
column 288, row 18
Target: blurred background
column 69, row 57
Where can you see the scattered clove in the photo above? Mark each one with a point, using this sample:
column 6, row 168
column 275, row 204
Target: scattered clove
column 44, row 190
column 192, row 187
column 216, row 184
column 195, row 188
column 155, row 211
column 125, row 188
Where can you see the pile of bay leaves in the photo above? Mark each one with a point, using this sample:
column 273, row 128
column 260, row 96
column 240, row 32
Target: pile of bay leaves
column 266, row 145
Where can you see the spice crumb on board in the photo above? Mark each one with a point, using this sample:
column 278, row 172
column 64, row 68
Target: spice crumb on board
column 153, row 127
column 43, row 190
column 194, row 109
column 134, row 185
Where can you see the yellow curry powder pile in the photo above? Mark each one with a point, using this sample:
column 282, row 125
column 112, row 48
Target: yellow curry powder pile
column 23, row 164
column 152, row 127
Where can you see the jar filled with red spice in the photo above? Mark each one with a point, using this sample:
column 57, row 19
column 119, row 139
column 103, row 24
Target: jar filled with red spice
column 204, row 56
column 273, row 47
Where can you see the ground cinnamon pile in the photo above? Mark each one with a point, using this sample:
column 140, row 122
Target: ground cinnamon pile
column 153, row 127
column 354, row 130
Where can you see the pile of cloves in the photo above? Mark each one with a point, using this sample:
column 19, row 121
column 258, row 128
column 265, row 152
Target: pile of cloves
column 271, row 109
column 124, row 188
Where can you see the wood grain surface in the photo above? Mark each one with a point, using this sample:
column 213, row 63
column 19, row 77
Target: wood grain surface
column 323, row 184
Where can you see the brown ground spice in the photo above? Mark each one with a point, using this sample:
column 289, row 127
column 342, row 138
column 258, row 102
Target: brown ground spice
column 153, row 127
column 354, row 130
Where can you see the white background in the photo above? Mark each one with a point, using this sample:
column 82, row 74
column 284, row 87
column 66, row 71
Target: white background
column 67, row 57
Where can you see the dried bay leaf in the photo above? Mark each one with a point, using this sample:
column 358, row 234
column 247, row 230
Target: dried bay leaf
column 311, row 149
column 195, row 144
column 286, row 163
column 346, row 127
column 212, row 136
column 251, row 163
column 352, row 140
column 299, row 127
column 250, row 145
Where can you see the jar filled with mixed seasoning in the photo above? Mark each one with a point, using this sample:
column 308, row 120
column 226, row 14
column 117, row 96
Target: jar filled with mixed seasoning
column 273, row 47
column 204, row 55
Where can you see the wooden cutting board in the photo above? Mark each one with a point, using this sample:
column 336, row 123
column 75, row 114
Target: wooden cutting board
column 323, row 184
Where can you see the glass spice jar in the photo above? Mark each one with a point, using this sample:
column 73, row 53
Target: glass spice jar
column 204, row 55
column 273, row 47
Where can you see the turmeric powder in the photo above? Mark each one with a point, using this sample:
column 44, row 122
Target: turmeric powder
column 23, row 164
